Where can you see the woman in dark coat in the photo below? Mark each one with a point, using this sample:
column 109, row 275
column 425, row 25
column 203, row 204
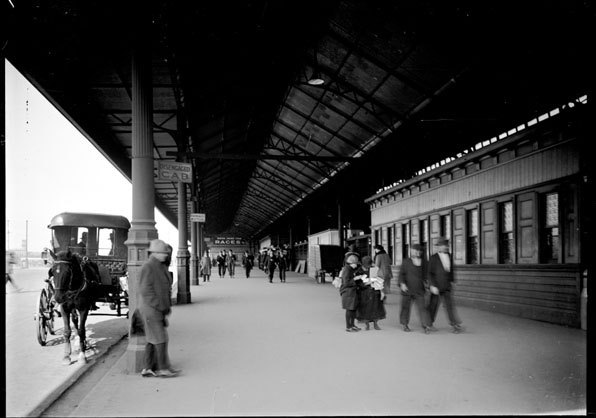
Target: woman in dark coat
column 370, row 304
column 349, row 291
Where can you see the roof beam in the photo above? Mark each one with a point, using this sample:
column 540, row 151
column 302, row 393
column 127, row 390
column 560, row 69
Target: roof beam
column 226, row 156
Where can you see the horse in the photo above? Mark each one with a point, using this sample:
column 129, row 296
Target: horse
column 74, row 279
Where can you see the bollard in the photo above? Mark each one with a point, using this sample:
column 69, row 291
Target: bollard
column 584, row 301
column 135, row 352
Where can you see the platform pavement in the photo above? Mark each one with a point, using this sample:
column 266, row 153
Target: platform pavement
column 251, row 348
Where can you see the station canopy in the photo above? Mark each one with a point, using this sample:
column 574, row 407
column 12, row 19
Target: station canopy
column 287, row 108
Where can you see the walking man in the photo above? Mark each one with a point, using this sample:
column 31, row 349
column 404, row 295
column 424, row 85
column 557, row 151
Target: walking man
column 440, row 276
column 231, row 263
column 282, row 264
column 221, row 264
column 11, row 260
column 271, row 262
column 248, row 261
column 412, row 281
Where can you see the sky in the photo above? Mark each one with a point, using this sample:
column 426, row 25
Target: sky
column 52, row 168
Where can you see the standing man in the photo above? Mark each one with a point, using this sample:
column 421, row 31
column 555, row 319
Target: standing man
column 155, row 305
column 205, row 266
column 440, row 276
column 383, row 262
column 412, row 282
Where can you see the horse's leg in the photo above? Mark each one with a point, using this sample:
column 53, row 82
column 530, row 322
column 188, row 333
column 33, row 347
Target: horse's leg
column 81, row 330
column 67, row 332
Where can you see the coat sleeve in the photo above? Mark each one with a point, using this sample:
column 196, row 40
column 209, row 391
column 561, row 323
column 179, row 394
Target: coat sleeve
column 401, row 277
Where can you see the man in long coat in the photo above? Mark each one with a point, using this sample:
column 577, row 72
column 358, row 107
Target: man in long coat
column 155, row 305
column 440, row 277
column 412, row 282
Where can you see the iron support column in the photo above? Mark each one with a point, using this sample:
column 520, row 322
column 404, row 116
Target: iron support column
column 142, row 229
column 200, row 240
column 183, row 255
column 194, row 256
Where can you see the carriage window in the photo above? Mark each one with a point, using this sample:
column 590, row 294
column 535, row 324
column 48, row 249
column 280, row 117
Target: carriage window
column 507, row 244
column 472, row 241
column 390, row 242
column 446, row 226
column 551, row 241
column 424, row 235
column 81, row 244
column 106, row 242
column 406, row 240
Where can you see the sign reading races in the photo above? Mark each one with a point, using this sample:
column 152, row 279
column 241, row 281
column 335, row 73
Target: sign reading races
column 228, row 241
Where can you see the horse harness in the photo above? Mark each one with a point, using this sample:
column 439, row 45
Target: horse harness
column 67, row 293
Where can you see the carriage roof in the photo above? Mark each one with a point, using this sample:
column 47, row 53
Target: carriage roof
column 99, row 220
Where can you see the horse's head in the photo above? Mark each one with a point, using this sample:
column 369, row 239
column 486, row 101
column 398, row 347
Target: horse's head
column 66, row 271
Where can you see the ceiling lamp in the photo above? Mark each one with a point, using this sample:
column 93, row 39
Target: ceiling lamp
column 315, row 78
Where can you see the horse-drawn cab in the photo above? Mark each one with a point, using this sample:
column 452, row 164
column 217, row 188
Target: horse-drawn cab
column 100, row 238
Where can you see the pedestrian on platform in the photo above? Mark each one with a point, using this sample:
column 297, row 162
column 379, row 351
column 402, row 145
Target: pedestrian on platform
column 282, row 264
column 155, row 306
column 248, row 261
column 370, row 297
column 383, row 262
column 11, row 260
column 271, row 262
column 231, row 263
column 205, row 266
column 349, row 290
column 441, row 280
column 221, row 264
column 412, row 283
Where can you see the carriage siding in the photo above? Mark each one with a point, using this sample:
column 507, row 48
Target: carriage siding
column 512, row 213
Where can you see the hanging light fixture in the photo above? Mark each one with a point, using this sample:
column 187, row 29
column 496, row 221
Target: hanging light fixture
column 315, row 78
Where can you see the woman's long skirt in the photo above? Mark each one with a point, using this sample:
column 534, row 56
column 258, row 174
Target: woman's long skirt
column 370, row 305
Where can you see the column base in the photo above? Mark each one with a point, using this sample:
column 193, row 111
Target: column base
column 183, row 298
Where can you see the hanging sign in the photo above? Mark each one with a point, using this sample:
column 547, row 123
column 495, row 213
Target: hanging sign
column 197, row 217
column 229, row 241
column 174, row 171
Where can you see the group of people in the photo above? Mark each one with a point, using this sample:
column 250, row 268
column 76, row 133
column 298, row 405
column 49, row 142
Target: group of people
column 225, row 261
column 273, row 258
column 365, row 283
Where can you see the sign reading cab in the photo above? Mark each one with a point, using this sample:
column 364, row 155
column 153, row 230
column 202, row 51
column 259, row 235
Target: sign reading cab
column 175, row 171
